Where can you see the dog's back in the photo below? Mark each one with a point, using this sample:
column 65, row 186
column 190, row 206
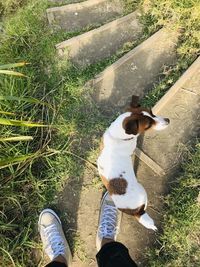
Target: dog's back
column 115, row 162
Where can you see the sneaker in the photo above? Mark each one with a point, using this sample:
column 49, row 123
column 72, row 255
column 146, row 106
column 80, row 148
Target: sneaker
column 109, row 221
column 52, row 235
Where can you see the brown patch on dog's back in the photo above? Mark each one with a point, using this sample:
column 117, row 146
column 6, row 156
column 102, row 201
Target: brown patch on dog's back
column 135, row 212
column 117, row 186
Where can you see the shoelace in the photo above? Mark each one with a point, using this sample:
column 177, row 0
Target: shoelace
column 108, row 222
column 55, row 242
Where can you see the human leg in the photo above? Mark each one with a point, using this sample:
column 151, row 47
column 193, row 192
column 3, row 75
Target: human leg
column 111, row 253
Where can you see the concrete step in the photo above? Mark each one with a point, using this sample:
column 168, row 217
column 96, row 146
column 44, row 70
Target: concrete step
column 181, row 104
column 64, row 2
column 102, row 42
column 134, row 73
column 75, row 17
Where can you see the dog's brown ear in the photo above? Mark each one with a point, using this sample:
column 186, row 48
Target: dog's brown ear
column 131, row 126
column 135, row 102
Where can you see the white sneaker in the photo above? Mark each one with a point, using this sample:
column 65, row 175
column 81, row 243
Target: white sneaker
column 52, row 235
column 109, row 221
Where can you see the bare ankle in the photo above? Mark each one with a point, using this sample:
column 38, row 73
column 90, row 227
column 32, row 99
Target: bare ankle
column 106, row 240
column 60, row 259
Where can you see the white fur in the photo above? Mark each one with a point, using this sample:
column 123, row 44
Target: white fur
column 115, row 160
column 161, row 123
column 147, row 222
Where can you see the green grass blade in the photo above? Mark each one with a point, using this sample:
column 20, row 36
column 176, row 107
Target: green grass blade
column 6, row 113
column 11, row 72
column 25, row 99
column 16, row 138
column 20, row 123
column 13, row 65
column 7, row 227
column 8, row 254
column 14, row 201
column 10, row 161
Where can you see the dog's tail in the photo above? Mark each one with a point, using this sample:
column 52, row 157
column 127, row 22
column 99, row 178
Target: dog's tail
column 142, row 217
column 145, row 219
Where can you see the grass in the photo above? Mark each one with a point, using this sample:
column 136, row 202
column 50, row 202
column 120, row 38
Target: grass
column 32, row 190
column 9, row 6
column 179, row 15
column 29, row 186
column 179, row 243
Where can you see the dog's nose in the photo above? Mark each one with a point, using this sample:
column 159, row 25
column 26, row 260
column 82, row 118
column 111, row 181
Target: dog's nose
column 167, row 120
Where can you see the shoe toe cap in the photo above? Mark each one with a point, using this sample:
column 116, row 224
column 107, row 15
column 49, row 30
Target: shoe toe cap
column 48, row 217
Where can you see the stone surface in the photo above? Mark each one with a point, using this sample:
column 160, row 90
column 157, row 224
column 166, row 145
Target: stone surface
column 167, row 147
column 164, row 148
column 102, row 42
column 136, row 72
column 59, row 2
column 80, row 202
column 75, row 17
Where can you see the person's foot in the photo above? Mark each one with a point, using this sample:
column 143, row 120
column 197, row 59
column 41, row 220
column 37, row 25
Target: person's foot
column 109, row 222
column 53, row 238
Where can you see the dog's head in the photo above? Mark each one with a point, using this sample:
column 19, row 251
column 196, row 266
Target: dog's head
column 142, row 119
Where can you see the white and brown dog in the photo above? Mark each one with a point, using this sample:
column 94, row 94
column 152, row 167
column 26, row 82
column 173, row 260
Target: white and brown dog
column 115, row 163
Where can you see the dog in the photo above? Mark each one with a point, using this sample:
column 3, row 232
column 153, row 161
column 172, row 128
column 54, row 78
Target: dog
column 115, row 162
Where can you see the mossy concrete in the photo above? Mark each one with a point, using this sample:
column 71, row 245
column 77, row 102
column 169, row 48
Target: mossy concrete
column 181, row 105
column 64, row 1
column 74, row 17
column 136, row 72
column 182, row 108
column 101, row 43
column 166, row 148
